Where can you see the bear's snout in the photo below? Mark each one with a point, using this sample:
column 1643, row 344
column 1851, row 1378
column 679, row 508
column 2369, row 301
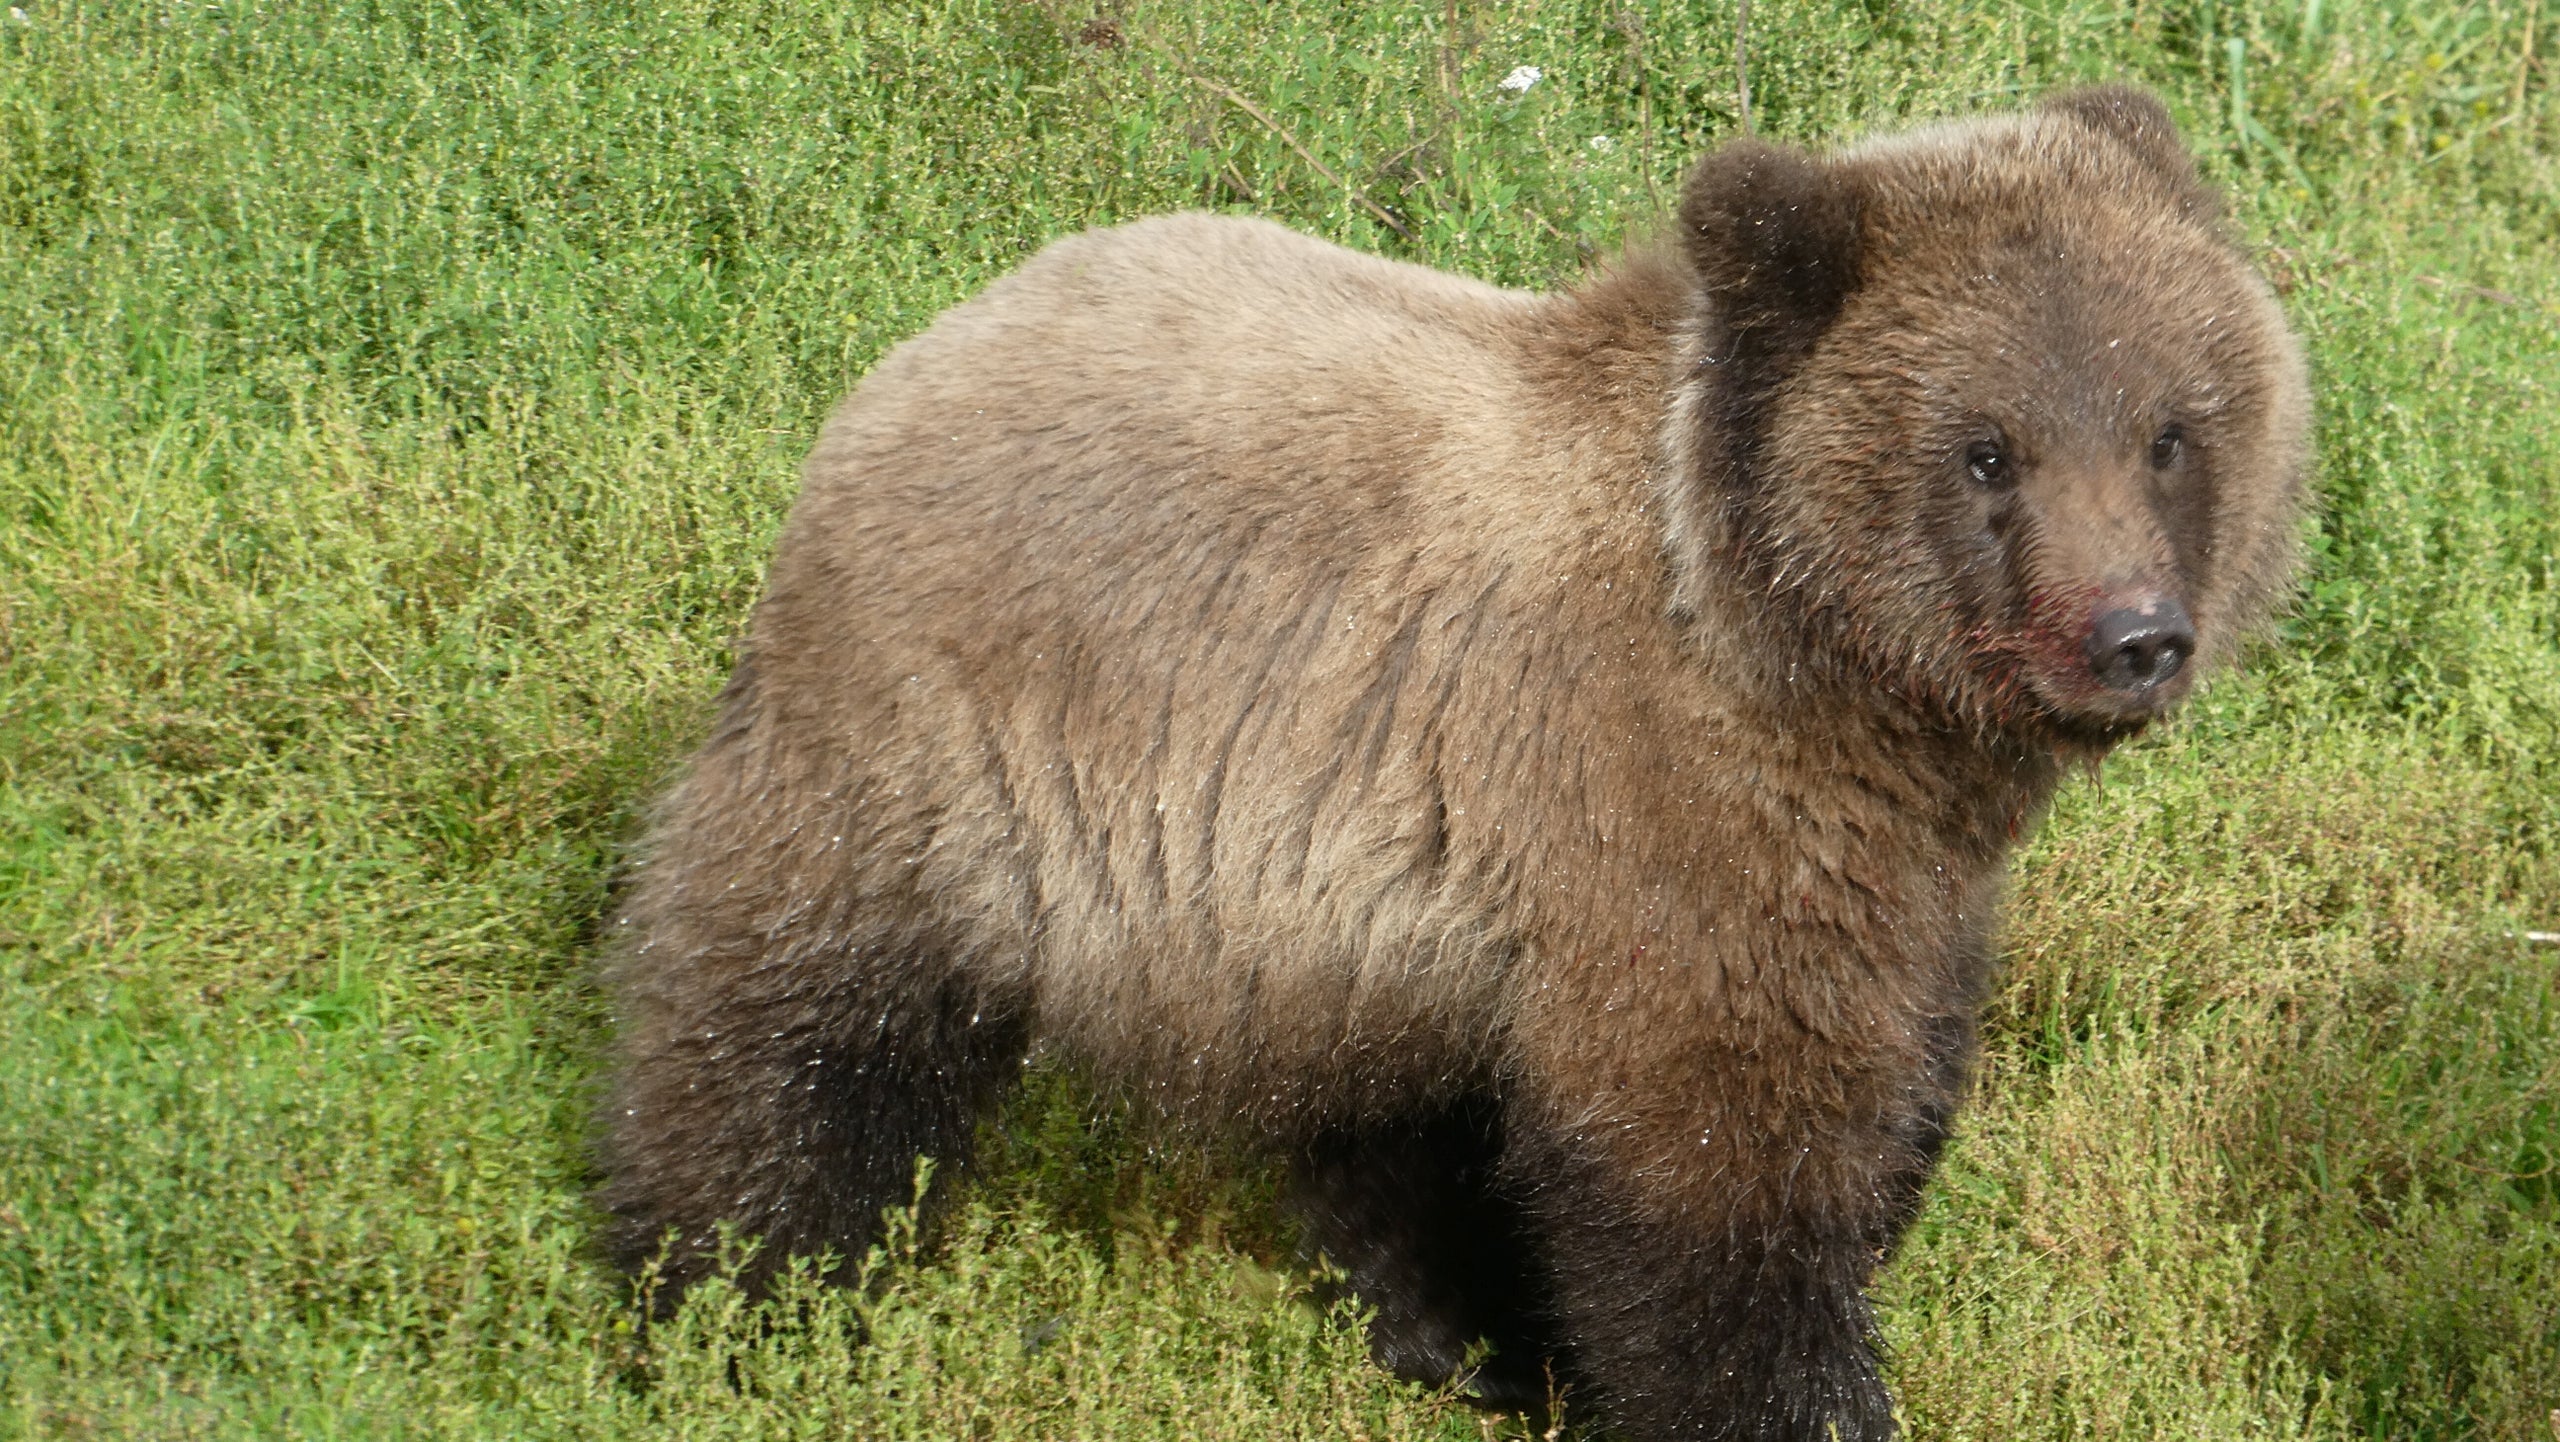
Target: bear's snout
column 2136, row 649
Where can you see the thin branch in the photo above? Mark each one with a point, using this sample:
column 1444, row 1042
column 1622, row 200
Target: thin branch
column 1449, row 57
column 1639, row 72
column 1742, row 61
column 2524, row 55
column 2464, row 287
column 1358, row 196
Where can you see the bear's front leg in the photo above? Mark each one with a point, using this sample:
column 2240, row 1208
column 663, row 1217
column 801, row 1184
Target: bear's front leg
column 1712, row 1310
column 1715, row 1165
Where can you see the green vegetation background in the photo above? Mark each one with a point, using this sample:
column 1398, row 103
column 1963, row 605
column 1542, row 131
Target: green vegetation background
column 396, row 401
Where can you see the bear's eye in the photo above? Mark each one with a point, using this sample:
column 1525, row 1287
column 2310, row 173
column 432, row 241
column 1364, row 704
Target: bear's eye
column 1988, row 463
column 2168, row 446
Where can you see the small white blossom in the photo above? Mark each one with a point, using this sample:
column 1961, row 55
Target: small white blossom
column 17, row 14
column 1519, row 81
column 1604, row 144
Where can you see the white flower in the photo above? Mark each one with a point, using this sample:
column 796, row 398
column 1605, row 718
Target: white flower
column 1603, row 144
column 17, row 14
column 1519, row 81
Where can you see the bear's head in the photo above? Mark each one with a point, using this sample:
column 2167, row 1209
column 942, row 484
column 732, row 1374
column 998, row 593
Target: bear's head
column 1996, row 414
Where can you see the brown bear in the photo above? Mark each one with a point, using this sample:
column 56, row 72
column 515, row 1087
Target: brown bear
column 1542, row 764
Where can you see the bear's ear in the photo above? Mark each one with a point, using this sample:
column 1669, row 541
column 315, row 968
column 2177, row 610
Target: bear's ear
column 2136, row 120
column 1773, row 235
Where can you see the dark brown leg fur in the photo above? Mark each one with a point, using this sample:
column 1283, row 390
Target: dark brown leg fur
column 796, row 1116
column 1706, row 1325
column 1412, row 1213
column 794, row 1034
column 1728, row 1335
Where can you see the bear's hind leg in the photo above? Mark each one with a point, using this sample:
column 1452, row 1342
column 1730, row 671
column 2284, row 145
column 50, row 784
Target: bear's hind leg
column 790, row 1098
column 1412, row 1213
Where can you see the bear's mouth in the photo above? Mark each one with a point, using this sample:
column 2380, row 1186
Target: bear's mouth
column 2080, row 707
column 2051, row 692
column 2092, row 733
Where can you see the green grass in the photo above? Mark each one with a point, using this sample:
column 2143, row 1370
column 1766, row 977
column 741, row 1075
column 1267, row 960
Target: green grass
column 396, row 402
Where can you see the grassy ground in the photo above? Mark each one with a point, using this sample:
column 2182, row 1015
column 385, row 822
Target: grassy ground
column 396, row 401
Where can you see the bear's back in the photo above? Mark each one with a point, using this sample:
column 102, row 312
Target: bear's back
column 1160, row 595
column 1120, row 371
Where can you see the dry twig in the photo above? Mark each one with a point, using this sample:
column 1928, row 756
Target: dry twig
column 1742, row 61
column 1358, row 196
column 2464, row 287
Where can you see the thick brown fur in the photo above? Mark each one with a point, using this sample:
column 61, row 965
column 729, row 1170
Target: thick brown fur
column 1543, row 764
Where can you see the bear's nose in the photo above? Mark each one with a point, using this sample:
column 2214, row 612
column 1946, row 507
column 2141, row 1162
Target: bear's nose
column 2137, row 648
